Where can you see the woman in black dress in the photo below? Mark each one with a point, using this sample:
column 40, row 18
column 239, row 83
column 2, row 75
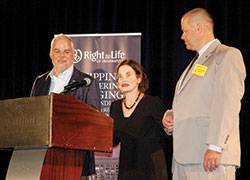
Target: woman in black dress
column 137, row 126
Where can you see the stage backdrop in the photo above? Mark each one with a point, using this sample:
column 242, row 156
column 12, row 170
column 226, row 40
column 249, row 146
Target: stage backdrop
column 98, row 55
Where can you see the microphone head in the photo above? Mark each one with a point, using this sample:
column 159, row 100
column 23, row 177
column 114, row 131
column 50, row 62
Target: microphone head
column 88, row 81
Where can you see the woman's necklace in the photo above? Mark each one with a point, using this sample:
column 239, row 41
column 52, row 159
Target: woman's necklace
column 124, row 102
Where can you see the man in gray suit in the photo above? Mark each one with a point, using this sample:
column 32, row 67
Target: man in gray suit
column 204, row 119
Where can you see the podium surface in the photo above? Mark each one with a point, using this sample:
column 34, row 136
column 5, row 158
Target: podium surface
column 54, row 121
column 66, row 126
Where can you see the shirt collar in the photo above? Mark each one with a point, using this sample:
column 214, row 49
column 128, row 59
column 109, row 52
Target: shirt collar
column 204, row 48
column 64, row 74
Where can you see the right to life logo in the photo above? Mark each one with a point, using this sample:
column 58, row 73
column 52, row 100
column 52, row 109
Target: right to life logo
column 102, row 57
column 77, row 55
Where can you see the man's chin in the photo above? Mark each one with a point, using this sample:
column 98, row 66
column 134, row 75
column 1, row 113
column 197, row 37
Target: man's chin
column 62, row 68
column 188, row 47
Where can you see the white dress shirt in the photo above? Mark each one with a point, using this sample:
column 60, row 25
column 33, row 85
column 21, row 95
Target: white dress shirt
column 57, row 83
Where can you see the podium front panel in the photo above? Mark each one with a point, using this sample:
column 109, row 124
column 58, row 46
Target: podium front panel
column 76, row 125
column 24, row 122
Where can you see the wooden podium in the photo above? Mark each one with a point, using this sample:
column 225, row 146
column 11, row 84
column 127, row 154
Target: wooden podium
column 61, row 127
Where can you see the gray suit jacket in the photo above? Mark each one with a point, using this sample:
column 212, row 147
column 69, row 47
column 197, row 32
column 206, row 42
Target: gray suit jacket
column 206, row 108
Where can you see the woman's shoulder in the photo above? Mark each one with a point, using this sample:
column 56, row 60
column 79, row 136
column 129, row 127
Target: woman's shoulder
column 116, row 102
column 155, row 103
column 151, row 98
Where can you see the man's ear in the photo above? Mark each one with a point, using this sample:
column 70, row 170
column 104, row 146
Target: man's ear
column 50, row 55
column 199, row 27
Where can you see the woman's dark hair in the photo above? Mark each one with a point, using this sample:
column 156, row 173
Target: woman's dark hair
column 139, row 71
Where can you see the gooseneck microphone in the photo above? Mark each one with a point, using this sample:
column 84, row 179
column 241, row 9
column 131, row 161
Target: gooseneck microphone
column 76, row 84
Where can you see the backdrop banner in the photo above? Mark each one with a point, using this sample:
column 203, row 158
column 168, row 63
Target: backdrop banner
column 98, row 55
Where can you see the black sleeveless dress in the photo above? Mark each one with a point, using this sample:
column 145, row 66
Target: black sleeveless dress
column 141, row 156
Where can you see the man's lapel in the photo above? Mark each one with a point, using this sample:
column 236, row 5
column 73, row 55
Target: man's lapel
column 75, row 76
column 44, row 90
column 201, row 60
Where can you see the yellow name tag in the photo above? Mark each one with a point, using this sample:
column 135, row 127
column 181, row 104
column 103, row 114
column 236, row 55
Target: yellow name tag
column 199, row 70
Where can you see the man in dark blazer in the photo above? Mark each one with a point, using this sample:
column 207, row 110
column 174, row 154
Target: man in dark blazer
column 64, row 73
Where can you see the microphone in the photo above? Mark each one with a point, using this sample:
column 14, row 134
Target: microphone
column 76, row 84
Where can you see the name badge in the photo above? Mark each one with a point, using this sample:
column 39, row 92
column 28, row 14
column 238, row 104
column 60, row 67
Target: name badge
column 199, row 70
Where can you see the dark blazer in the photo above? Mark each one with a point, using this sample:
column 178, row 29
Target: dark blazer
column 89, row 95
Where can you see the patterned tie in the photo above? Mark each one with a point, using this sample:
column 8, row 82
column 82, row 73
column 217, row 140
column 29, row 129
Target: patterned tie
column 190, row 66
